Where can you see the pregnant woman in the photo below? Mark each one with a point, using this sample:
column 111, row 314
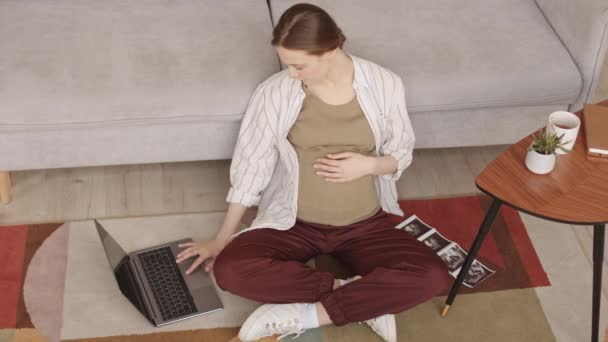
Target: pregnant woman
column 319, row 150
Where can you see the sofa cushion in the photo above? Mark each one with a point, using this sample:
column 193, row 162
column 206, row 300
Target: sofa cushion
column 459, row 54
column 96, row 61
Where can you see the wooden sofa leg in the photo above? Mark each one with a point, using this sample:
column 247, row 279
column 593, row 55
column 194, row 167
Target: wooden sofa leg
column 5, row 187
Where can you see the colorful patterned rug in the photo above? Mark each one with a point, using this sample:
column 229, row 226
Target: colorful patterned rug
column 42, row 292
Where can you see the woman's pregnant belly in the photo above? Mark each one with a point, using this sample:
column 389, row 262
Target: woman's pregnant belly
column 334, row 203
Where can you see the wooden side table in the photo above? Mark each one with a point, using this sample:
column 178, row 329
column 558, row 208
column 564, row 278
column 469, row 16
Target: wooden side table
column 575, row 192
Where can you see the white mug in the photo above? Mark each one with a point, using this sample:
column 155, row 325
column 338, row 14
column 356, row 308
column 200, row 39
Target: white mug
column 565, row 123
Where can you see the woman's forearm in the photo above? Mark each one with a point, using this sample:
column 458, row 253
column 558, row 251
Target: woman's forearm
column 231, row 221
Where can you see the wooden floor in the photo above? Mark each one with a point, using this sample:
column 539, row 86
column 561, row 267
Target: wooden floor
column 156, row 189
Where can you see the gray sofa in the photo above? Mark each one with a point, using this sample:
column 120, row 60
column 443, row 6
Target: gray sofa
column 86, row 83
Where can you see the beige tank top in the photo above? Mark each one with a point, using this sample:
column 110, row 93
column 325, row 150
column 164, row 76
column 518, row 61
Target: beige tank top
column 322, row 129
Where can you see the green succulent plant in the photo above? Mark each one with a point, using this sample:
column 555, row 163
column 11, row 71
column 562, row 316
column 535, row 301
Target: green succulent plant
column 548, row 142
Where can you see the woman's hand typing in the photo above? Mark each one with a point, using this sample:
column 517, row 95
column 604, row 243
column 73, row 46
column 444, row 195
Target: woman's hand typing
column 204, row 250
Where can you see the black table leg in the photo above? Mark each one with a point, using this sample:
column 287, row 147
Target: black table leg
column 483, row 231
column 598, row 260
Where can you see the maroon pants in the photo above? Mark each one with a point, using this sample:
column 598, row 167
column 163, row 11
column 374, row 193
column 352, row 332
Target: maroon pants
column 398, row 271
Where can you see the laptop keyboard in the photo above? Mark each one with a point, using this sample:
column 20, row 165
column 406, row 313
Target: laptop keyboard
column 167, row 283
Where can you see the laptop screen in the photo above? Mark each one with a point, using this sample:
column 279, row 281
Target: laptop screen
column 114, row 252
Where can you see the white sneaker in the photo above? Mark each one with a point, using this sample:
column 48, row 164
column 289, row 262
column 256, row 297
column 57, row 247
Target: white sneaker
column 273, row 319
column 384, row 326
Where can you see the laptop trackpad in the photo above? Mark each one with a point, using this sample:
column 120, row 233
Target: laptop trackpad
column 207, row 299
column 199, row 278
column 202, row 288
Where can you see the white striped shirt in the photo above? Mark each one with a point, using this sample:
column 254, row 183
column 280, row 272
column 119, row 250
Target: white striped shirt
column 264, row 168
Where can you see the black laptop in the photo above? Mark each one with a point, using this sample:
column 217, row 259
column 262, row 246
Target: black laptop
column 159, row 287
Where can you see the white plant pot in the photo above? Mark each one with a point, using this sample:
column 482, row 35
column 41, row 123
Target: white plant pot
column 540, row 163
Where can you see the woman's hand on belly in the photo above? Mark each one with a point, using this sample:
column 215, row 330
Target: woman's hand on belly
column 344, row 166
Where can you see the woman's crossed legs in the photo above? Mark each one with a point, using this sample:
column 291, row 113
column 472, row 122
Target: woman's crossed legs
column 398, row 272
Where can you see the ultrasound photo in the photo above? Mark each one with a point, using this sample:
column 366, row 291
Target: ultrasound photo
column 436, row 241
column 416, row 227
column 453, row 257
column 477, row 273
